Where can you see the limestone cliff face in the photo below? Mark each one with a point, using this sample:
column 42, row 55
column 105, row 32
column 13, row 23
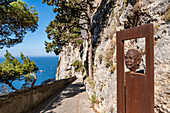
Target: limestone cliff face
column 111, row 16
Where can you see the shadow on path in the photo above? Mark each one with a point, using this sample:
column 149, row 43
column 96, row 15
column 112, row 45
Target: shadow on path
column 55, row 101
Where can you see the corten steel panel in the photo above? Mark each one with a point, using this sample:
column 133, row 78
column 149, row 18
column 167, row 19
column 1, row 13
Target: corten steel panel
column 120, row 79
column 136, row 94
column 148, row 79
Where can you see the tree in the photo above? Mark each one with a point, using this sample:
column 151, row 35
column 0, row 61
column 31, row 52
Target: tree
column 16, row 18
column 11, row 70
column 29, row 67
column 66, row 26
column 6, row 2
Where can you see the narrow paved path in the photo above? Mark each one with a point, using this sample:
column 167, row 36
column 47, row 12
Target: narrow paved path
column 73, row 99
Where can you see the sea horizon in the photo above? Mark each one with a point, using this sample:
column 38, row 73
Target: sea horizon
column 32, row 56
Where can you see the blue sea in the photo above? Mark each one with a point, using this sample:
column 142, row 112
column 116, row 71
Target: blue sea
column 47, row 69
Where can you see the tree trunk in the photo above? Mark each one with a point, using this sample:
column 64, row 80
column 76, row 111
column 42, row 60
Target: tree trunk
column 90, row 61
column 35, row 78
column 10, row 85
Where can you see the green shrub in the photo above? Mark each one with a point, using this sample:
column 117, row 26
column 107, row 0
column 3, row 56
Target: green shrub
column 93, row 99
column 77, row 65
column 78, row 42
column 70, row 72
column 92, row 83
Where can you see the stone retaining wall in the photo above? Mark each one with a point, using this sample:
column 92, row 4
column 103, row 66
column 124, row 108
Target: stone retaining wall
column 24, row 101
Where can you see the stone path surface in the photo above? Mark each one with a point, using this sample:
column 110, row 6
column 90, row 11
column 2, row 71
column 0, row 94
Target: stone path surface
column 73, row 99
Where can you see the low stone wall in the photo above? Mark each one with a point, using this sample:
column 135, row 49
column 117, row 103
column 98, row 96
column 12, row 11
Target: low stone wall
column 24, row 101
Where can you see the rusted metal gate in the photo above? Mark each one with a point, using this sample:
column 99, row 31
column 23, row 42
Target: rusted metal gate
column 136, row 95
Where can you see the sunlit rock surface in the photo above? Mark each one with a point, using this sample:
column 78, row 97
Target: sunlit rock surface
column 111, row 16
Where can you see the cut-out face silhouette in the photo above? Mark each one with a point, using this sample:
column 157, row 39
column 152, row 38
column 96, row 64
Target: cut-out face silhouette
column 132, row 59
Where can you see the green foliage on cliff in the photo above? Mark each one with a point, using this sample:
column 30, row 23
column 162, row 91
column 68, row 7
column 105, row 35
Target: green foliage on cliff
column 93, row 99
column 65, row 28
column 77, row 65
column 11, row 70
column 16, row 18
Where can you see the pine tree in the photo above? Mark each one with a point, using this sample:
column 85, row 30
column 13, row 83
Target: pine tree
column 66, row 26
column 11, row 70
column 16, row 18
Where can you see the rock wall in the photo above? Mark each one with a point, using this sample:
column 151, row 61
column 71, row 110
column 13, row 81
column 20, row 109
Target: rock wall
column 66, row 58
column 162, row 76
column 111, row 16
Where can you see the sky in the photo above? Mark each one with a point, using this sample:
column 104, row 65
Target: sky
column 33, row 43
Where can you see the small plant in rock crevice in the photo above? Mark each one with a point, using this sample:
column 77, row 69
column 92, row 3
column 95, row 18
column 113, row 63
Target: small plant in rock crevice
column 69, row 73
column 100, row 58
column 101, row 87
column 90, row 82
column 93, row 98
column 156, row 27
column 112, row 68
column 167, row 15
column 109, row 57
column 78, row 66
column 102, row 98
